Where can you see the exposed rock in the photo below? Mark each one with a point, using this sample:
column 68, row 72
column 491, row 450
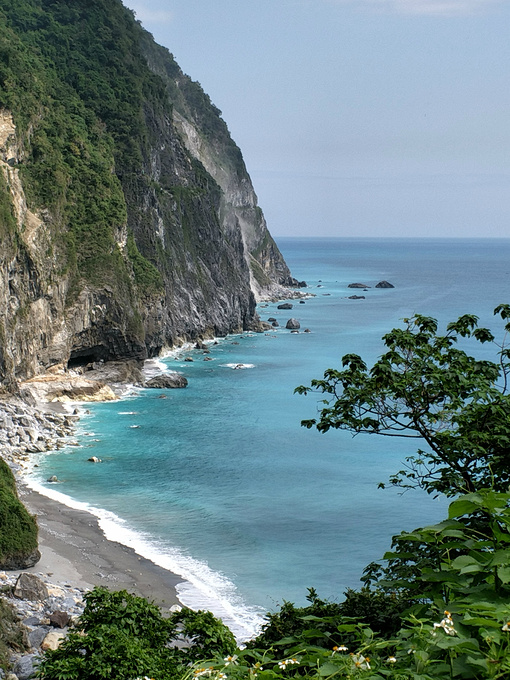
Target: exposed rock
column 24, row 667
column 66, row 388
column 94, row 459
column 292, row 324
column 285, row 305
column 358, row 285
column 210, row 258
column 307, row 330
column 302, row 302
column 384, row 284
column 116, row 372
column 275, row 324
column 53, row 479
column 30, row 587
column 59, row 619
column 356, row 297
column 167, row 381
column 52, row 640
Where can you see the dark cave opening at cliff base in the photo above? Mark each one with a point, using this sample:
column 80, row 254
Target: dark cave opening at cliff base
column 83, row 357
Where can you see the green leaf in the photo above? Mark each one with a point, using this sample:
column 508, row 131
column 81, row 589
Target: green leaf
column 461, row 507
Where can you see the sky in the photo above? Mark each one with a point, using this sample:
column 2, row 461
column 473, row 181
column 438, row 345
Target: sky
column 361, row 118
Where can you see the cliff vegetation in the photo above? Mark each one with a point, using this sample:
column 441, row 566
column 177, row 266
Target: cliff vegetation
column 128, row 221
column 18, row 529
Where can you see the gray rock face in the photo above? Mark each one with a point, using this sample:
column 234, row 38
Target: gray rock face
column 167, row 381
column 384, row 284
column 293, row 324
column 191, row 212
column 358, row 285
column 24, row 667
column 30, row 587
column 285, row 305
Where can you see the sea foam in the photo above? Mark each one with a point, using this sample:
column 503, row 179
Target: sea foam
column 202, row 588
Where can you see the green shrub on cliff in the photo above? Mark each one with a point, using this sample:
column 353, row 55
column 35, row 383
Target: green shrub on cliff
column 18, row 529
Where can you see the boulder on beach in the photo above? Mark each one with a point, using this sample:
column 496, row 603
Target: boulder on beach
column 293, row 324
column 30, row 587
column 358, row 285
column 167, row 381
column 285, row 305
column 384, row 284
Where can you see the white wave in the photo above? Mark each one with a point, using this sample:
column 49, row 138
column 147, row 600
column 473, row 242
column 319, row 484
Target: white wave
column 153, row 367
column 202, row 587
column 127, row 413
column 238, row 366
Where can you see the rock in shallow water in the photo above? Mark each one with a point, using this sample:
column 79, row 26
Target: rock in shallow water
column 167, row 381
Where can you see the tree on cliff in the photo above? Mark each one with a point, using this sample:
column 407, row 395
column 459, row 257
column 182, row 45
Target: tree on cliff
column 425, row 387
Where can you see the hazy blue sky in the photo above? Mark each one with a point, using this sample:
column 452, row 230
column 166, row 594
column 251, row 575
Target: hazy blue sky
column 358, row 117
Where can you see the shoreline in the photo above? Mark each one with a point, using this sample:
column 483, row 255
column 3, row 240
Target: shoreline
column 74, row 550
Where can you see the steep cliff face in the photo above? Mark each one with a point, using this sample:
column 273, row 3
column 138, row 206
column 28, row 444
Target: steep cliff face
column 128, row 221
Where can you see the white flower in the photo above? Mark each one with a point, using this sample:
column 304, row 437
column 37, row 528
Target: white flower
column 231, row 660
column 506, row 627
column 339, row 648
column 361, row 662
column 447, row 624
column 287, row 662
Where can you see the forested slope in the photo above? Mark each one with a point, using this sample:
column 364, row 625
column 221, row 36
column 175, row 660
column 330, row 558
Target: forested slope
column 128, row 221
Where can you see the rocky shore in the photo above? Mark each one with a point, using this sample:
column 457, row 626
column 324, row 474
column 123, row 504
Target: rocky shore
column 75, row 555
column 45, row 612
column 26, row 429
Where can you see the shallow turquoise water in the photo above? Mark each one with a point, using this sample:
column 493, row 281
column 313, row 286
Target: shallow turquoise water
column 221, row 484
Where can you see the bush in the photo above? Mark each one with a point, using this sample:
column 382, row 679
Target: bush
column 18, row 529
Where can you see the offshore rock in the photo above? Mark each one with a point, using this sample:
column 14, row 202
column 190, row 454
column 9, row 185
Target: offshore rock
column 384, row 284
column 285, row 305
column 358, row 285
column 167, row 381
column 293, row 324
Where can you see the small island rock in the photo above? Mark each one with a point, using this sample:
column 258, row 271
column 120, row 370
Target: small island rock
column 358, row 285
column 167, row 381
column 384, row 284
column 285, row 305
column 293, row 324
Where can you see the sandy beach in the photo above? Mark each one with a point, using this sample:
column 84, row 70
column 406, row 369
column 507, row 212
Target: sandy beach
column 75, row 551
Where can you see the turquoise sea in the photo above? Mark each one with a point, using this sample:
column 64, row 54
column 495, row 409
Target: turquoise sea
column 219, row 483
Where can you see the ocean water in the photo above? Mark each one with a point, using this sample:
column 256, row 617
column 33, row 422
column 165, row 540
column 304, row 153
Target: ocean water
column 219, row 483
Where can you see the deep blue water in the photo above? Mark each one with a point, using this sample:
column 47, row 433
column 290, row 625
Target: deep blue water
column 221, row 484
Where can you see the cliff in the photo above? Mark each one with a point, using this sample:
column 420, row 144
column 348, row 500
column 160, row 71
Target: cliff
column 128, row 221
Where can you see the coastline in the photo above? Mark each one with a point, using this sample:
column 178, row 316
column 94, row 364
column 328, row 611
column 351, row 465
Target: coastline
column 77, row 549
column 74, row 550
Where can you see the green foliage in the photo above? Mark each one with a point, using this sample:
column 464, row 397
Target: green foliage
column 461, row 630
column 426, row 388
column 7, row 219
column 13, row 636
column 147, row 277
column 18, row 529
column 121, row 637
